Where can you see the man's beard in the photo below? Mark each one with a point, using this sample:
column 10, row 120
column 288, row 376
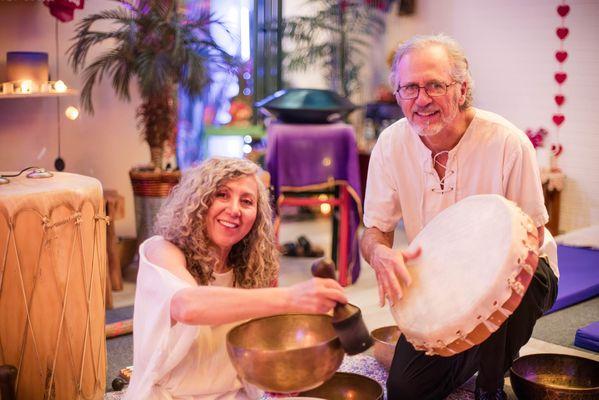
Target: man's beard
column 428, row 129
column 436, row 128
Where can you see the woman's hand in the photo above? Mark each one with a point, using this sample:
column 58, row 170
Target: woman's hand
column 391, row 272
column 315, row 296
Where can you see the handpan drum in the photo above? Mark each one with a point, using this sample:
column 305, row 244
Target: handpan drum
column 52, row 279
column 478, row 258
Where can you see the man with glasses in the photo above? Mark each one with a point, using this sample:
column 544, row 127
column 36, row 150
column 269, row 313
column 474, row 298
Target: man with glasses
column 443, row 151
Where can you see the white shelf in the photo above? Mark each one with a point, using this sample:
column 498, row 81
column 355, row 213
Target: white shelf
column 69, row 92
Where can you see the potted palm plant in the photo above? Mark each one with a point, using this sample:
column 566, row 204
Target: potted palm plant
column 164, row 48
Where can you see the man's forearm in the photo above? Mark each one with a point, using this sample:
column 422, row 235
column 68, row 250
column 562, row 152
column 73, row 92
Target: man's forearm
column 373, row 237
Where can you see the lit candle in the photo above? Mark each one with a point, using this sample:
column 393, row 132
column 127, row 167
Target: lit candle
column 27, row 65
column 26, row 86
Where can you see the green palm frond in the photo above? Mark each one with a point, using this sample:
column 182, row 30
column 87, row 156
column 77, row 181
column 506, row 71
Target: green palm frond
column 337, row 38
column 154, row 42
column 95, row 72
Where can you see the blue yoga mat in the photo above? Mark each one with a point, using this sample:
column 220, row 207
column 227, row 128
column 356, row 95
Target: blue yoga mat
column 579, row 276
column 588, row 337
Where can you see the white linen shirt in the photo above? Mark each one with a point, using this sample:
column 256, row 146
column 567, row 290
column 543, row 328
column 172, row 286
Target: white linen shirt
column 492, row 157
column 183, row 362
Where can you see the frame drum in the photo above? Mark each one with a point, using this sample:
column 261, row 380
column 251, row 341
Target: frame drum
column 52, row 280
column 478, row 258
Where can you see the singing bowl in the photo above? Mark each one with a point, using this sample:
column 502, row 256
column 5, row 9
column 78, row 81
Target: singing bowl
column 309, row 106
column 285, row 353
column 555, row 376
column 385, row 339
column 347, row 386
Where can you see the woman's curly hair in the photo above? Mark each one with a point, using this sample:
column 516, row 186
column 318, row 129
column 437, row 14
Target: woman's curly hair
column 181, row 222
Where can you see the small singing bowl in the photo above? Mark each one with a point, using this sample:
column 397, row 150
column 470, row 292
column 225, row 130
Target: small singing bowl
column 555, row 376
column 347, row 386
column 385, row 339
column 285, row 353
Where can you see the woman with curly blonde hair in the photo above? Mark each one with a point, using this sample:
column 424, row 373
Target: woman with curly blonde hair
column 212, row 265
column 253, row 259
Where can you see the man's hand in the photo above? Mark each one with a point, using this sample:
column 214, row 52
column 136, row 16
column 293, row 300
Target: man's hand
column 391, row 272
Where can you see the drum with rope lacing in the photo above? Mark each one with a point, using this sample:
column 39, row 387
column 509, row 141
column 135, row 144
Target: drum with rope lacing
column 52, row 280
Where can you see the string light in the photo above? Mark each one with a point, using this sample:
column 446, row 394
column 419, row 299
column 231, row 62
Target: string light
column 325, row 209
column 71, row 113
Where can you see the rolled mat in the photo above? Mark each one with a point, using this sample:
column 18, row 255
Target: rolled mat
column 588, row 337
column 579, row 280
column 119, row 328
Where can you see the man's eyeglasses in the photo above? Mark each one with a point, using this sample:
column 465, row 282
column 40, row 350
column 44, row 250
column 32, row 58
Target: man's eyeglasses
column 433, row 89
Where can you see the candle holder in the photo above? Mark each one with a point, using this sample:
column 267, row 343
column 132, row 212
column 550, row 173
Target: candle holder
column 25, row 65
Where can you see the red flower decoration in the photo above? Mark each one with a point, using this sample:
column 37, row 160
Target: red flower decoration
column 64, row 9
column 537, row 137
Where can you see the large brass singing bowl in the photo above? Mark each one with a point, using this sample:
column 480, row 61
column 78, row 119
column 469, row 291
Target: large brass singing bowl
column 285, row 353
column 555, row 376
column 385, row 339
column 347, row 386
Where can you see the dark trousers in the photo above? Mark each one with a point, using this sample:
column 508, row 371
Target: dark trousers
column 414, row 375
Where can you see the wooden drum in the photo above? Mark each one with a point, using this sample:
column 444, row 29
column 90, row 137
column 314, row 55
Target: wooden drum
column 478, row 258
column 52, row 280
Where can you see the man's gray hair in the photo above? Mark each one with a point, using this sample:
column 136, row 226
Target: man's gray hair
column 457, row 58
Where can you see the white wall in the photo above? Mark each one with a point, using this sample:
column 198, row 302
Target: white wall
column 104, row 146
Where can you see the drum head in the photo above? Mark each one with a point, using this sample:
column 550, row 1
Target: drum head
column 469, row 252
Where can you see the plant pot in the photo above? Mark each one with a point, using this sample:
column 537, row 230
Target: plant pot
column 150, row 189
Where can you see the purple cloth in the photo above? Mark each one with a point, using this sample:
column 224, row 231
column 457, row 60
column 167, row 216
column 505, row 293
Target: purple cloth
column 579, row 276
column 313, row 156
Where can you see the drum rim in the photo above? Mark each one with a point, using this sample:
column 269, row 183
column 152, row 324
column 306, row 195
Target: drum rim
column 478, row 329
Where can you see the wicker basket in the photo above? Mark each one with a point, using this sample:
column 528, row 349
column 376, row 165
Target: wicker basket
column 153, row 183
column 150, row 189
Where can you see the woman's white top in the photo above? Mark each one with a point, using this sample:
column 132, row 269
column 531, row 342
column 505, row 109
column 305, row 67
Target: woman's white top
column 179, row 361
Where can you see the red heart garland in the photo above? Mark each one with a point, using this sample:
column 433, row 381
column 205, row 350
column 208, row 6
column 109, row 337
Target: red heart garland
column 558, row 119
column 562, row 32
column 556, row 149
column 563, row 10
column 561, row 56
column 560, row 77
